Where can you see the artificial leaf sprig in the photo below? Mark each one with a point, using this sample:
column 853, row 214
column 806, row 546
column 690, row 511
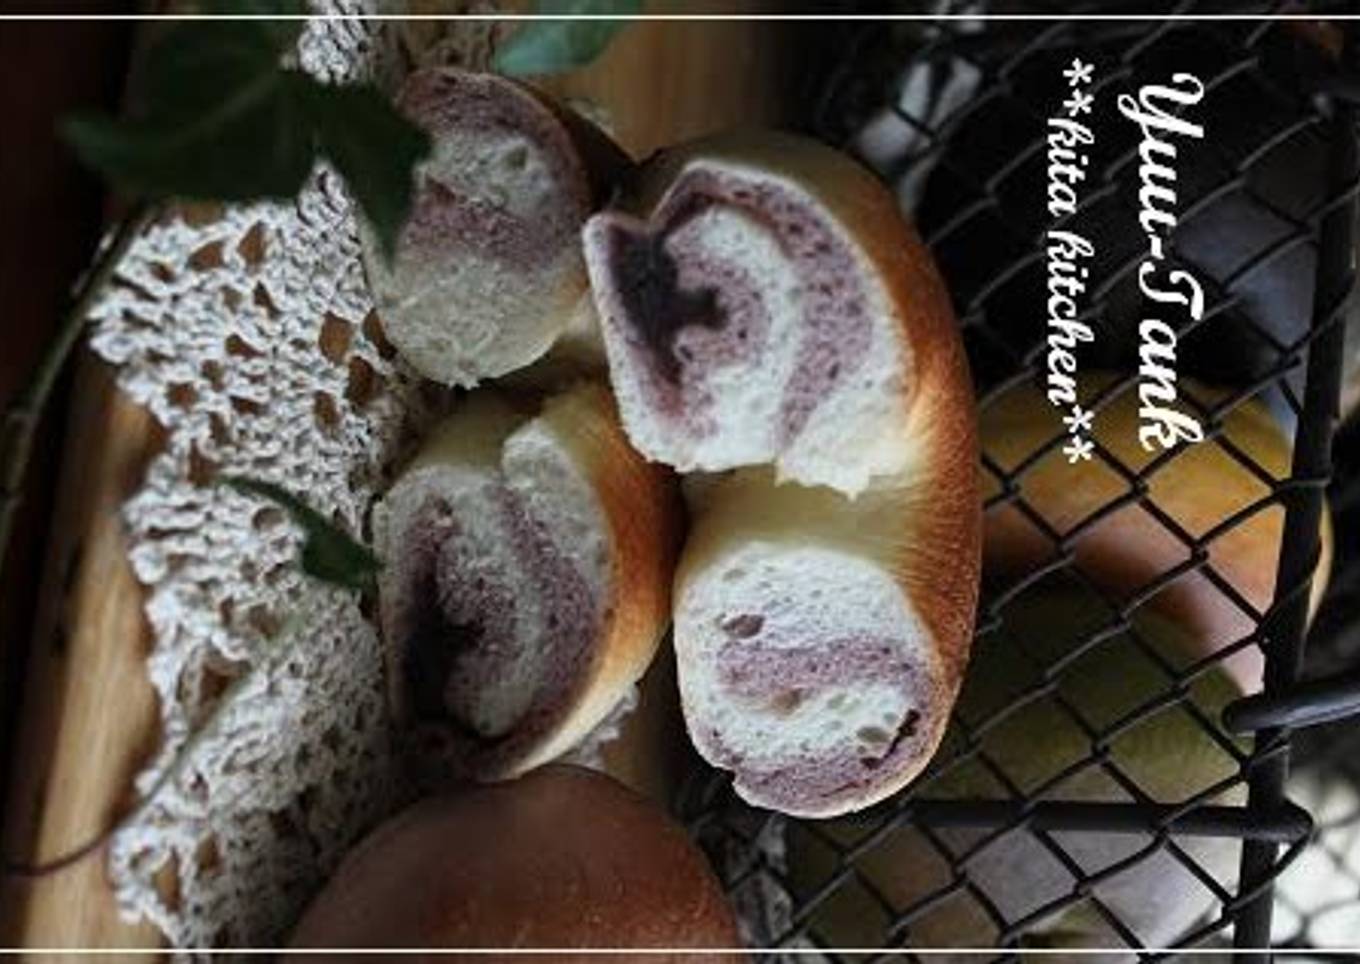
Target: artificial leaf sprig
column 328, row 552
column 221, row 118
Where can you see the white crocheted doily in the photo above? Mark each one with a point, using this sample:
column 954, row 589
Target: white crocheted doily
column 248, row 333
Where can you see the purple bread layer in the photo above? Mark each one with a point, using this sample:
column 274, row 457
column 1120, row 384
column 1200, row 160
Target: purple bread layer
column 445, row 219
column 775, row 679
column 463, row 632
column 812, row 784
column 445, row 621
column 784, row 675
column 667, row 290
column 685, row 335
column 835, row 327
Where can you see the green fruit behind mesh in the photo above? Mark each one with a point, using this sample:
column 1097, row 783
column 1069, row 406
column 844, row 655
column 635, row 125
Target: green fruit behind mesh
column 1037, row 700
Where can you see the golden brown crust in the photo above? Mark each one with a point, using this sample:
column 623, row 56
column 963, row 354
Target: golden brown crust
column 929, row 513
column 562, row 858
column 639, row 507
column 1201, row 489
column 943, row 510
column 642, row 506
column 940, row 560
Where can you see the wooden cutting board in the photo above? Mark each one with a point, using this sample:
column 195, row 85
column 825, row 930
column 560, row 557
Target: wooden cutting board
column 89, row 715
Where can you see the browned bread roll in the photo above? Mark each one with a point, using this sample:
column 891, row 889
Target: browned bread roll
column 764, row 305
column 821, row 640
column 526, row 581
column 763, row 302
column 564, row 858
column 1042, row 744
column 1201, row 489
column 488, row 270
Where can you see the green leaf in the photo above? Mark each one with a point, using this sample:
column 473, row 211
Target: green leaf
column 549, row 46
column 220, row 118
column 282, row 33
column 328, row 552
column 196, row 61
column 250, row 146
column 375, row 148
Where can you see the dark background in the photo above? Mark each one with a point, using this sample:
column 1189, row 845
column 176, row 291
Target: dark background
column 51, row 210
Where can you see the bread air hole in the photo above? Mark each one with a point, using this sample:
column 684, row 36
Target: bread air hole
column 744, row 626
column 516, row 158
column 872, row 735
column 881, row 743
column 786, row 702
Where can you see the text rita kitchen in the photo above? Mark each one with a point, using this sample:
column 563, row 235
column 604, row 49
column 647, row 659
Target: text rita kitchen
column 1158, row 111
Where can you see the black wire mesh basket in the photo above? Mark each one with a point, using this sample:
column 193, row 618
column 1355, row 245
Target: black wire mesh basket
column 1107, row 781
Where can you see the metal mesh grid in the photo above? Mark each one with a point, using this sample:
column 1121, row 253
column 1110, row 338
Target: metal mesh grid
column 1104, row 823
column 1317, row 901
column 1320, row 895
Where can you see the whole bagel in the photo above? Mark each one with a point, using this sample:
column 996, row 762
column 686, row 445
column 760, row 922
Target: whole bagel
column 563, row 858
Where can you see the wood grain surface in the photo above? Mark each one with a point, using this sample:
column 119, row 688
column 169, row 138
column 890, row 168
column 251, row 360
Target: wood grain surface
column 71, row 642
column 89, row 715
column 50, row 208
